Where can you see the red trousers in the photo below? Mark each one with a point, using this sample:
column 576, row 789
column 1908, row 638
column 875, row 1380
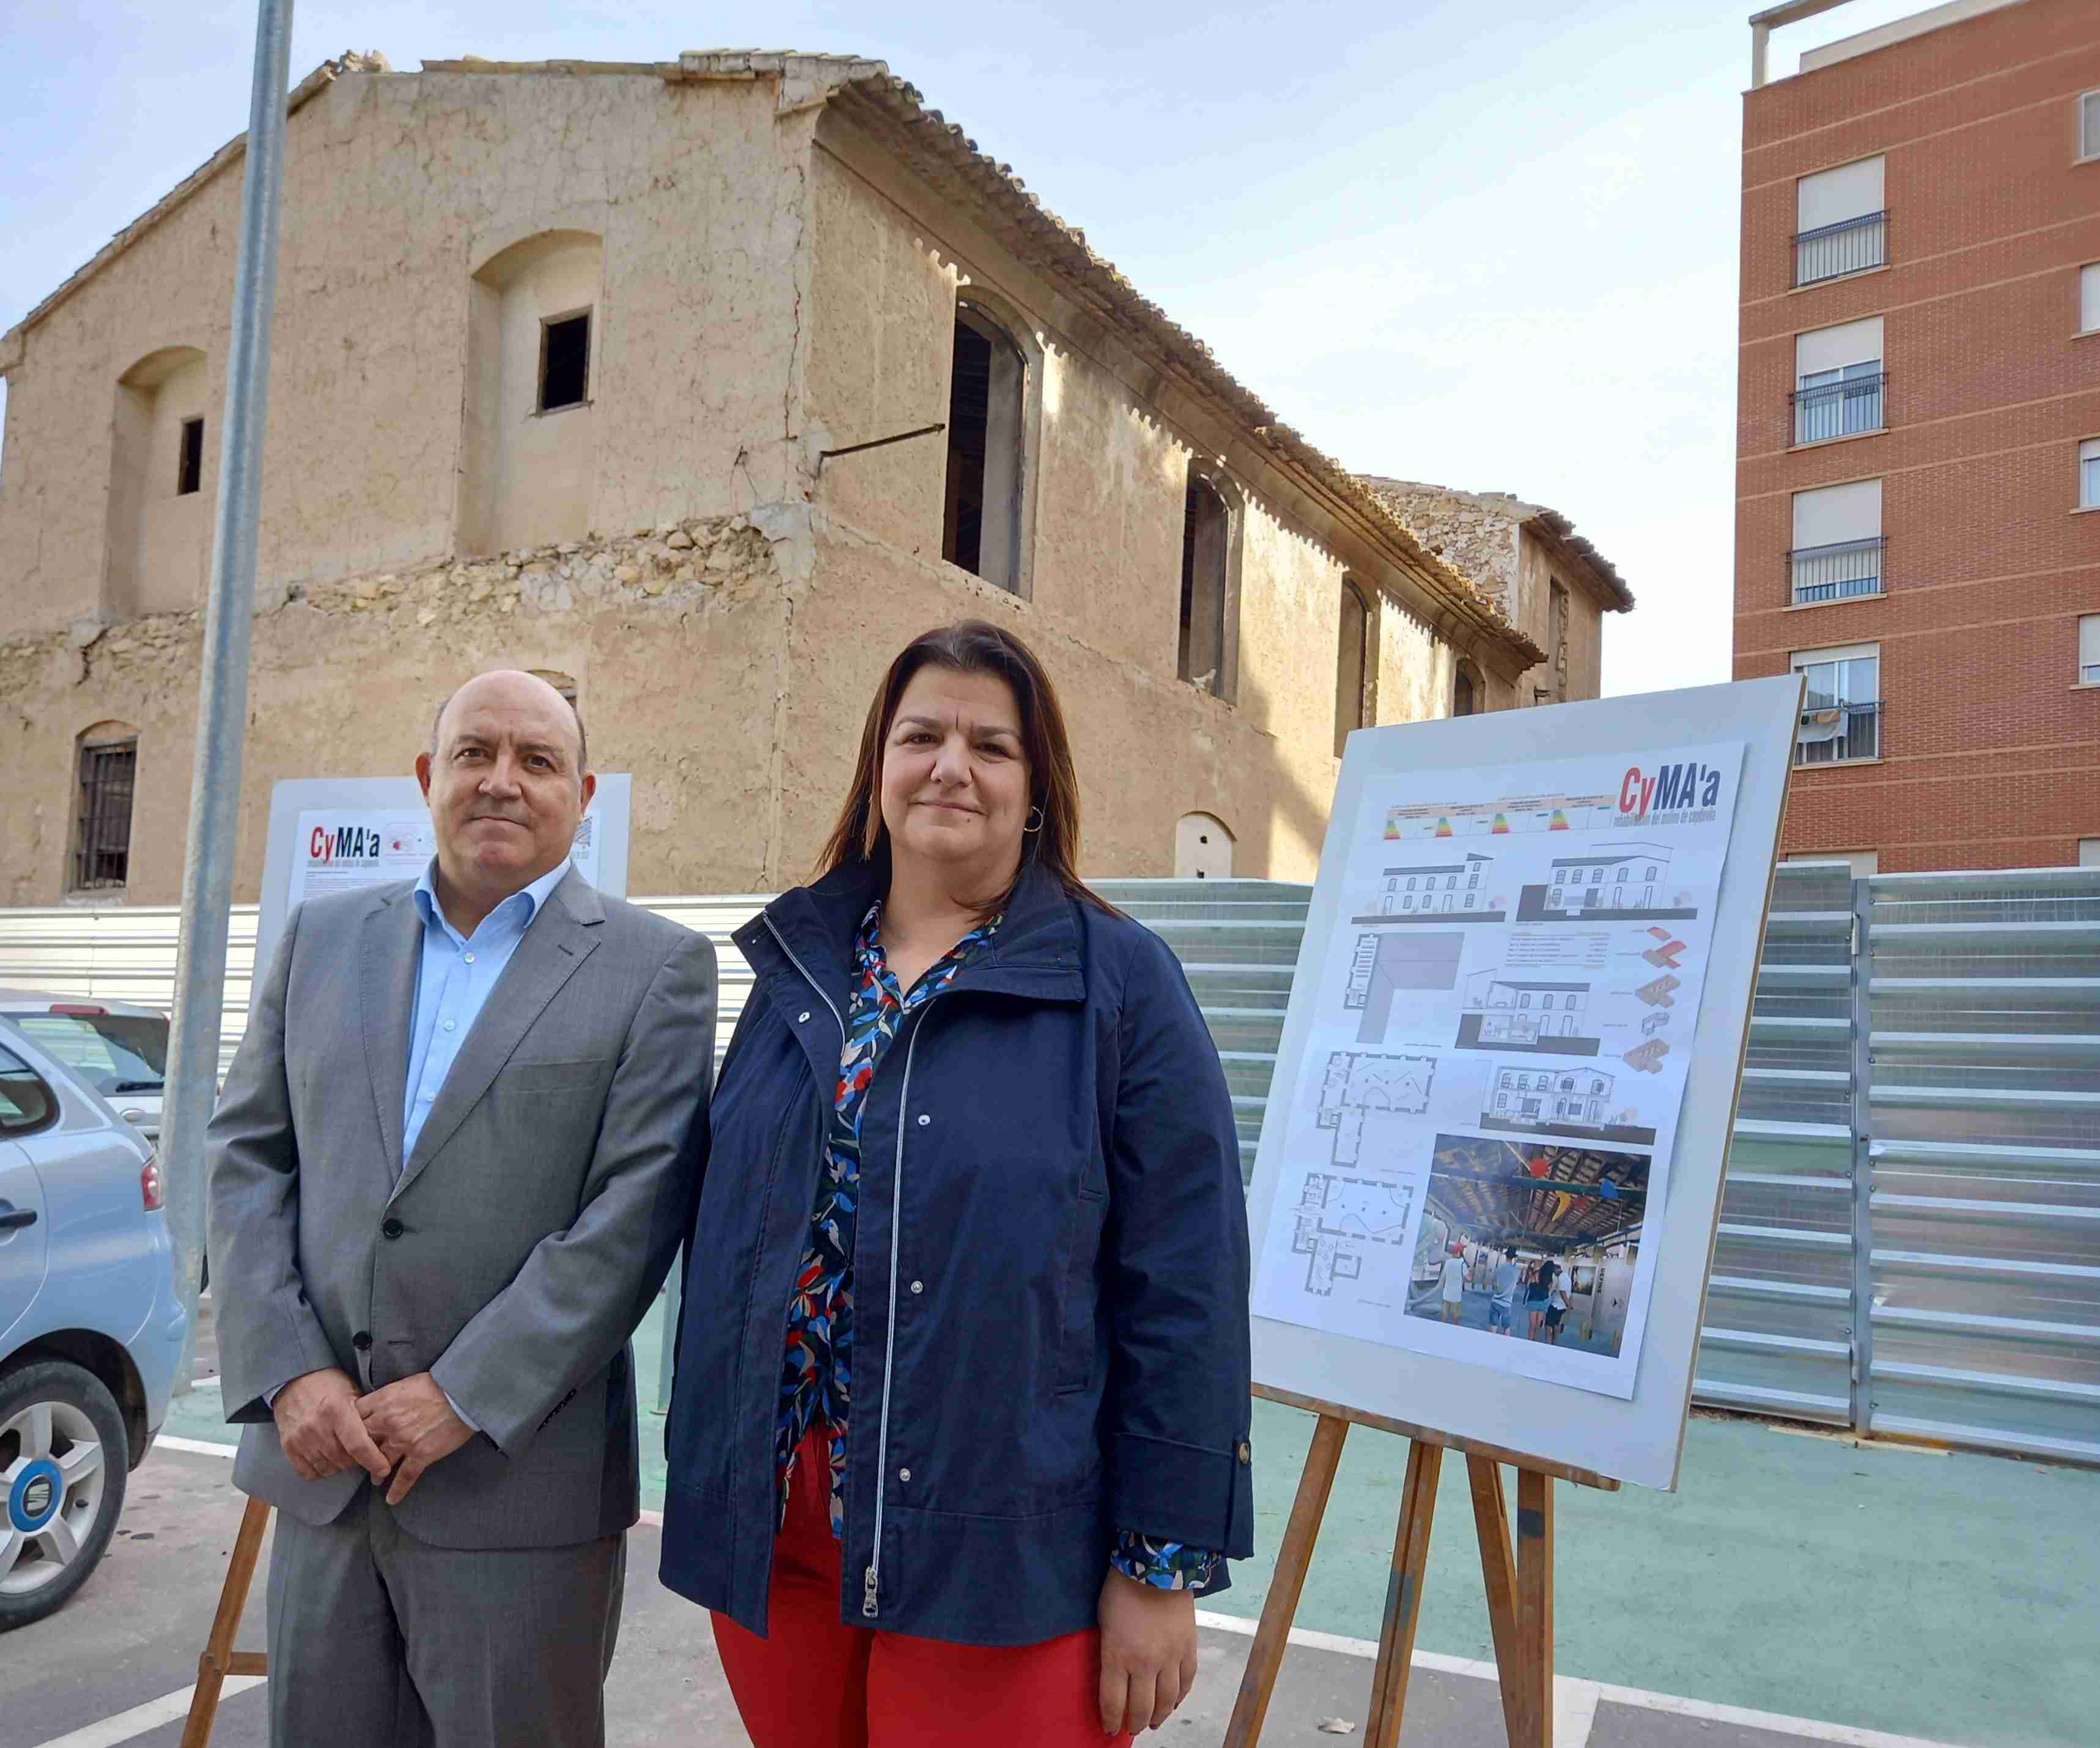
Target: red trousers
column 817, row 1683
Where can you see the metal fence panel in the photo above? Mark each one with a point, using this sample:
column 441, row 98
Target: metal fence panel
column 1984, row 1115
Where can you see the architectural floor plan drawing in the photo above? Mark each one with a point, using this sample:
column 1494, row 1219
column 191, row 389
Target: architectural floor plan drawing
column 1339, row 1218
column 1360, row 1092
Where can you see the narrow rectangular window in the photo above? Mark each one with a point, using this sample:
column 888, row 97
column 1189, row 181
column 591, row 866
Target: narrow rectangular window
column 2089, row 649
column 189, row 465
column 2089, row 125
column 2088, row 473
column 565, row 361
column 1836, row 549
column 1841, row 707
column 102, row 837
column 2089, row 298
column 1840, row 224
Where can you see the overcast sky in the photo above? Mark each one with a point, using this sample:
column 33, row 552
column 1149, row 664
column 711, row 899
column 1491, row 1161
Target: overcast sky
column 1487, row 243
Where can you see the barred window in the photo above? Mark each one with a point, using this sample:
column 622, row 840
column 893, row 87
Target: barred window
column 101, row 832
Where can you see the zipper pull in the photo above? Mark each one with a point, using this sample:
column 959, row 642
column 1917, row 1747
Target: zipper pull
column 868, row 1593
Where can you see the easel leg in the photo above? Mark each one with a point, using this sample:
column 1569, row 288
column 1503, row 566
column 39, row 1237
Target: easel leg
column 1281, row 1605
column 220, row 1659
column 1534, row 1604
column 1403, row 1597
column 1498, row 1569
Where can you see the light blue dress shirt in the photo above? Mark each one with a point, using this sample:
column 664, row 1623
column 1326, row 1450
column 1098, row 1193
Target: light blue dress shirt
column 452, row 982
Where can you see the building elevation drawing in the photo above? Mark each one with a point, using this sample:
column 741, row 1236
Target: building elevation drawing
column 1576, row 1103
column 1384, row 966
column 1338, row 1218
column 1512, row 1012
column 1446, row 892
column 1628, row 883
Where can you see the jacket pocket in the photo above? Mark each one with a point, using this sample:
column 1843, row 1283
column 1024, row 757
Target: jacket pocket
column 1078, row 1332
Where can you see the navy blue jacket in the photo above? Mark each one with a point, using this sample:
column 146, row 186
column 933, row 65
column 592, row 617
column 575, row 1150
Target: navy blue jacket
column 1050, row 1306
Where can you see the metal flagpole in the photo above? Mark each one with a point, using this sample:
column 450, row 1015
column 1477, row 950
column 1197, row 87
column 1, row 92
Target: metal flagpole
column 223, row 695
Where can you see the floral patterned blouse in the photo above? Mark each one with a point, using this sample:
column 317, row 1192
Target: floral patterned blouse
column 816, row 1382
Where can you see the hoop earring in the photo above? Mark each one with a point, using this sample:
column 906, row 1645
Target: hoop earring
column 1037, row 826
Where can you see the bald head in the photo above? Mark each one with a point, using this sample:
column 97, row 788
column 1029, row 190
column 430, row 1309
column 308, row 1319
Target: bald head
column 512, row 683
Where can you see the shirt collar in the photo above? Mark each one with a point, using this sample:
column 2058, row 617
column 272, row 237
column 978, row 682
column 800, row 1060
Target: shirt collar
column 524, row 904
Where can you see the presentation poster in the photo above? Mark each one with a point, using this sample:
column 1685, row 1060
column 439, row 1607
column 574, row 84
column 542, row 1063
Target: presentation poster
column 1479, row 1141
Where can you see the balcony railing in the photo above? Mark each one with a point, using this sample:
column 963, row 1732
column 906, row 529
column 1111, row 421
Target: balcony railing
column 1832, row 733
column 1852, row 245
column 1839, row 409
column 1835, row 572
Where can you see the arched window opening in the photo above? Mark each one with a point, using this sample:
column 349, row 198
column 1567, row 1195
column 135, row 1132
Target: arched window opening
column 987, row 396
column 534, row 340
column 1351, row 665
column 1203, row 847
column 106, row 767
column 1465, row 691
column 1206, row 534
column 159, row 533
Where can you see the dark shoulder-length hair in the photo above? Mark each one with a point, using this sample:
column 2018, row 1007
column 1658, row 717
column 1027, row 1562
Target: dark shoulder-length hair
column 973, row 646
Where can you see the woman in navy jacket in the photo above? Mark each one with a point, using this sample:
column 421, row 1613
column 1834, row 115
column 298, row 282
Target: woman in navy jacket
column 959, row 1430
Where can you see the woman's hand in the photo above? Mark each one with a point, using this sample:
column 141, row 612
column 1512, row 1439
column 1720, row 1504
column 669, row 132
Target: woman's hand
column 1148, row 1652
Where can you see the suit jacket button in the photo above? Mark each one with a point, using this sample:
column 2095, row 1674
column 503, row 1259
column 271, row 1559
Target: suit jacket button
column 362, row 1342
column 392, row 1228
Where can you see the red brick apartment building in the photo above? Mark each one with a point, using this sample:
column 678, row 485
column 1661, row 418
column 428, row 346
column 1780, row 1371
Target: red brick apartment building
column 1918, row 510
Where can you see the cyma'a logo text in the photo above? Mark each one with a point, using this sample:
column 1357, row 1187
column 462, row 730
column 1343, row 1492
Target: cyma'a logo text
column 344, row 843
column 1674, row 786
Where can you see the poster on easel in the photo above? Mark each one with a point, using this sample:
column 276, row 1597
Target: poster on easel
column 1498, row 1033
column 1487, row 1188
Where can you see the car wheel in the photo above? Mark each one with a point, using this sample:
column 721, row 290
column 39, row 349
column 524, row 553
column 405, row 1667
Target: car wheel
column 63, row 1462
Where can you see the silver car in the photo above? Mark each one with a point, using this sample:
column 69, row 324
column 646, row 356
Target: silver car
column 119, row 1048
column 90, row 1330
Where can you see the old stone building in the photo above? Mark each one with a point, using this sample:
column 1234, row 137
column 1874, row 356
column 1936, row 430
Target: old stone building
column 577, row 367
column 1530, row 563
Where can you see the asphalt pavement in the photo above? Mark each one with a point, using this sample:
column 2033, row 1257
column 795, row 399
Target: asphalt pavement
column 117, row 1658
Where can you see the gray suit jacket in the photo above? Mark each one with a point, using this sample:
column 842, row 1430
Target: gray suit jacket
column 522, row 1240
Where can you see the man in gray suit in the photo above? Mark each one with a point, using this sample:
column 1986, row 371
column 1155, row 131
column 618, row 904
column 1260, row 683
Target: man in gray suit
column 456, row 1152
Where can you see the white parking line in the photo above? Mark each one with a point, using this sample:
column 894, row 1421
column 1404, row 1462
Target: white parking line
column 195, row 1446
column 1575, row 1701
column 170, row 1708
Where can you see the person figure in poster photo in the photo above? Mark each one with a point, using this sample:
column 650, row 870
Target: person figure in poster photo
column 1454, row 1283
column 960, row 1425
column 455, row 1153
column 1556, row 1307
column 1501, row 1308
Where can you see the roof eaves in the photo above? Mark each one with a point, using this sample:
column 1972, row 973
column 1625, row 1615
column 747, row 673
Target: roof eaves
column 183, row 191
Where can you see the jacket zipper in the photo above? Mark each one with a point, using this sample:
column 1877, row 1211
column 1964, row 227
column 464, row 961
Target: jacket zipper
column 871, row 1574
column 872, row 1577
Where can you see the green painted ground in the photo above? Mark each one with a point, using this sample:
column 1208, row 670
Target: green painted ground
column 1950, row 1597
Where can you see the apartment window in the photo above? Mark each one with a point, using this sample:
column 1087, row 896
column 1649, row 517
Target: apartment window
column 565, row 361
column 1838, row 381
column 189, row 459
column 1838, row 544
column 2088, row 126
column 2088, row 474
column 2089, row 649
column 107, row 768
column 1841, row 707
column 1205, row 532
column 2088, row 298
column 1840, row 226
column 980, row 525
column 1351, row 666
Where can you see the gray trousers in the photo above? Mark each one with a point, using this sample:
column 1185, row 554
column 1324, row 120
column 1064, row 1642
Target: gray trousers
column 378, row 1641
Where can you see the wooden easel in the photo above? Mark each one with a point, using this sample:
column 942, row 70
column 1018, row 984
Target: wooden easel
column 220, row 1659
column 1520, row 1586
